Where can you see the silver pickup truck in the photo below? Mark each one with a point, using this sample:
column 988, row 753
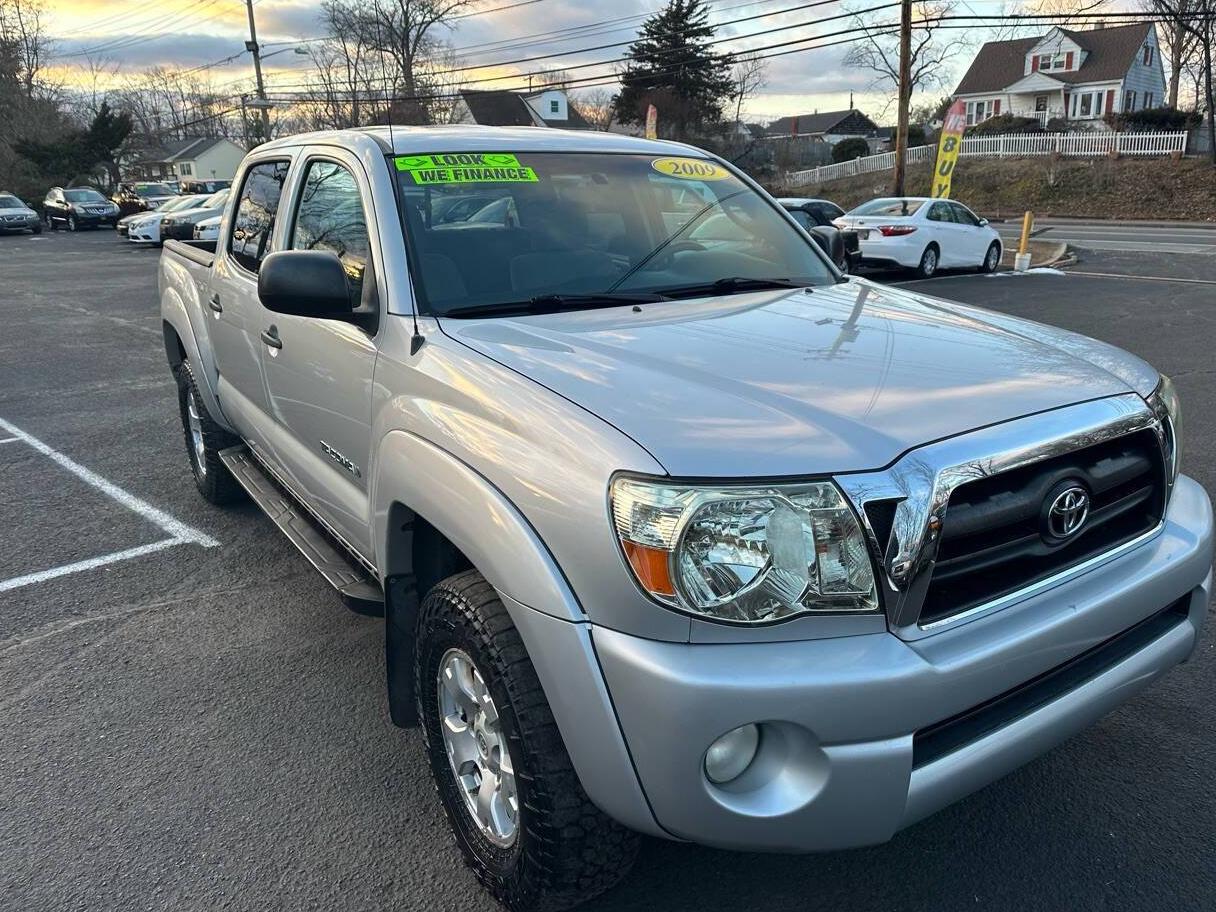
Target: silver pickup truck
column 675, row 529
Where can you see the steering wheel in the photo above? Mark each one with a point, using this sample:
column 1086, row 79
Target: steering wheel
column 664, row 257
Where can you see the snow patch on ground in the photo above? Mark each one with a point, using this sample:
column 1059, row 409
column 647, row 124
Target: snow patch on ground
column 1037, row 270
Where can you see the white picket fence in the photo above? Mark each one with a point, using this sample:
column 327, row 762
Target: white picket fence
column 1012, row 145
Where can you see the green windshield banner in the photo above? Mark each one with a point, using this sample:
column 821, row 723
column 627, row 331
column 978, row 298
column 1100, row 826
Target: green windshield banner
column 465, row 168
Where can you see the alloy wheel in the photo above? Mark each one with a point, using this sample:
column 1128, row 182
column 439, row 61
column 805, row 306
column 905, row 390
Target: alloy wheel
column 477, row 748
column 195, row 421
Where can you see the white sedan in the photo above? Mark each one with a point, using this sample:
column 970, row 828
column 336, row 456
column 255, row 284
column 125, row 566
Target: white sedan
column 924, row 234
column 145, row 229
column 208, row 229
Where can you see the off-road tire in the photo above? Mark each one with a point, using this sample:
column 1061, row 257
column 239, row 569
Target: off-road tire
column 565, row 850
column 73, row 225
column 930, row 262
column 211, row 476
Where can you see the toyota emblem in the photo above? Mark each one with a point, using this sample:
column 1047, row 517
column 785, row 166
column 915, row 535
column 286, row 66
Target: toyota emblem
column 1068, row 512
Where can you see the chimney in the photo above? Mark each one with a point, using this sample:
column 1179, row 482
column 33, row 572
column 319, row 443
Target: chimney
column 850, row 101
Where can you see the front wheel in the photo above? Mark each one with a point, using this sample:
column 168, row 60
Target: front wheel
column 992, row 259
column 927, row 266
column 511, row 795
column 72, row 224
column 37, row 229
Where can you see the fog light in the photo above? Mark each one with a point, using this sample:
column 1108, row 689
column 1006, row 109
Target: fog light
column 731, row 754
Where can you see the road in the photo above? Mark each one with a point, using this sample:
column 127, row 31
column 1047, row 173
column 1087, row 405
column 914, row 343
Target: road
column 202, row 726
column 1105, row 236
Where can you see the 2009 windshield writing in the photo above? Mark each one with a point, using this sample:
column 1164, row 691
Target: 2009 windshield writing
column 572, row 226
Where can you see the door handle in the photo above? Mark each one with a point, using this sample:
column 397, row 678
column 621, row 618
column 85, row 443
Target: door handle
column 271, row 337
column 214, row 303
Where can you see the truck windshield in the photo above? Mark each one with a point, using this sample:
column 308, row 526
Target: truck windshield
column 490, row 230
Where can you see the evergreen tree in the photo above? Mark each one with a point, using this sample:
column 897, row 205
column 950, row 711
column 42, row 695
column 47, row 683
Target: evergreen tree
column 672, row 67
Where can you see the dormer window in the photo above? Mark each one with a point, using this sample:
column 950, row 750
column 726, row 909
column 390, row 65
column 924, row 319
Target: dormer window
column 1048, row 62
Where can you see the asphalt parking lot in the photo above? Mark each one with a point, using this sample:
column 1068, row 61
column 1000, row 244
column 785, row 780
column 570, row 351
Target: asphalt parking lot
column 193, row 722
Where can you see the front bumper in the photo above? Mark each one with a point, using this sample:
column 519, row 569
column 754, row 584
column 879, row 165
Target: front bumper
column 837, row 766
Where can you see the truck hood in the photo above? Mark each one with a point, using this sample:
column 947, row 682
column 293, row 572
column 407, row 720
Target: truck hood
column 835, row 379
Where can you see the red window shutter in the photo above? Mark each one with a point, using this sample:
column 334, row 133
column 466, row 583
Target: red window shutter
column 1068, row 61
column 996, row 107
column 1034, row 63
column 1110, row 101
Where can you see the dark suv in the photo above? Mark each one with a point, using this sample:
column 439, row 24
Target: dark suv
column 204, row 186
column 142, row 196
column 78, row 207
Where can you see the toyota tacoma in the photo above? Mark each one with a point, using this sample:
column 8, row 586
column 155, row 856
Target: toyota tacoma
column 675, row 529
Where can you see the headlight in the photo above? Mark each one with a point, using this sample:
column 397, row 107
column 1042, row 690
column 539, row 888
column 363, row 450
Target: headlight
column 751, row 554
column 1165, row 402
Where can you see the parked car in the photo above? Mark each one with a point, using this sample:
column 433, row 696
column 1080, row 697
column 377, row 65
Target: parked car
column 673, row 533
column 180, row 225
column 77, row 207
column 143, row 196
column 204, row 186
column 126, row 221
column 208, row 229
column 145, row 229
column 17, row 216
column 818, row 217
column 923, row 234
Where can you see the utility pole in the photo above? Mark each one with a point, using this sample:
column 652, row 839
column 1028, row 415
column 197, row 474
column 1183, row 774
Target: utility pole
column 252, row 46
column 905, row 95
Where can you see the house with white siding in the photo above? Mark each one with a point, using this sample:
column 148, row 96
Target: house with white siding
column 1075, row 76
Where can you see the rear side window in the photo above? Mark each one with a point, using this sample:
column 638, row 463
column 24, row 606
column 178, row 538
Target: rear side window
column 330, row 217
column 253, row 220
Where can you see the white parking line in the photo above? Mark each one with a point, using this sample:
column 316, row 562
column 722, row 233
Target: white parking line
column 179, row 532
column 92, row 563
column 10, row 440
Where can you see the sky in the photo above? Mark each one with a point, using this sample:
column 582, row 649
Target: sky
column 131, row 35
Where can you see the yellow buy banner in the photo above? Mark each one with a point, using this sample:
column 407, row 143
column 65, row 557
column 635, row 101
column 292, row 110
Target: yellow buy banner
column 948, row 149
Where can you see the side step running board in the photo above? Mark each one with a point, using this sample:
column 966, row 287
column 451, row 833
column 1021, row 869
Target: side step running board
column 355, row 587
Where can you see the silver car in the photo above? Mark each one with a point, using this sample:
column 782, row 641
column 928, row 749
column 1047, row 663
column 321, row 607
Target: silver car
column 676, row 530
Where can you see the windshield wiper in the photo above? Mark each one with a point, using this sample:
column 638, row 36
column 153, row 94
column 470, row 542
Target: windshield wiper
column 732, row 285
column 553, row 303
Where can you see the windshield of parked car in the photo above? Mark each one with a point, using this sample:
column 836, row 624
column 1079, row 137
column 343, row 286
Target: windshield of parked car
column 83, row 196
column 487, row 230
column 182, row 202
column 10, row 202
column 154, row 190
column 890, row 208
column 215, row 200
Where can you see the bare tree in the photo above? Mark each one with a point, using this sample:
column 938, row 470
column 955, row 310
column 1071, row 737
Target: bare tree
column 1181, row 45
column 406, row 32
column 933, row 48
column 25, row 38
column 750, row 73
column 1195, row 17
column 595, row 105
column 1054, row 13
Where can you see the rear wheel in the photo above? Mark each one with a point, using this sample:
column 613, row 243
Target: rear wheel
column 204, row 440
column 992, row 258
column 515, row 804
column 927, row 266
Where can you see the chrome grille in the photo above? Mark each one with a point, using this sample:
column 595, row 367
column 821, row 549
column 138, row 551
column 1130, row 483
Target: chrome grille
column 994, row 536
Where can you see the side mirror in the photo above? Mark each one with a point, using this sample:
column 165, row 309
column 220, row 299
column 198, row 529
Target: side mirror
column 305, row 283
column 983, row 222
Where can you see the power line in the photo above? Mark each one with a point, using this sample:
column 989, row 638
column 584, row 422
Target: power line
column 622, row 59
